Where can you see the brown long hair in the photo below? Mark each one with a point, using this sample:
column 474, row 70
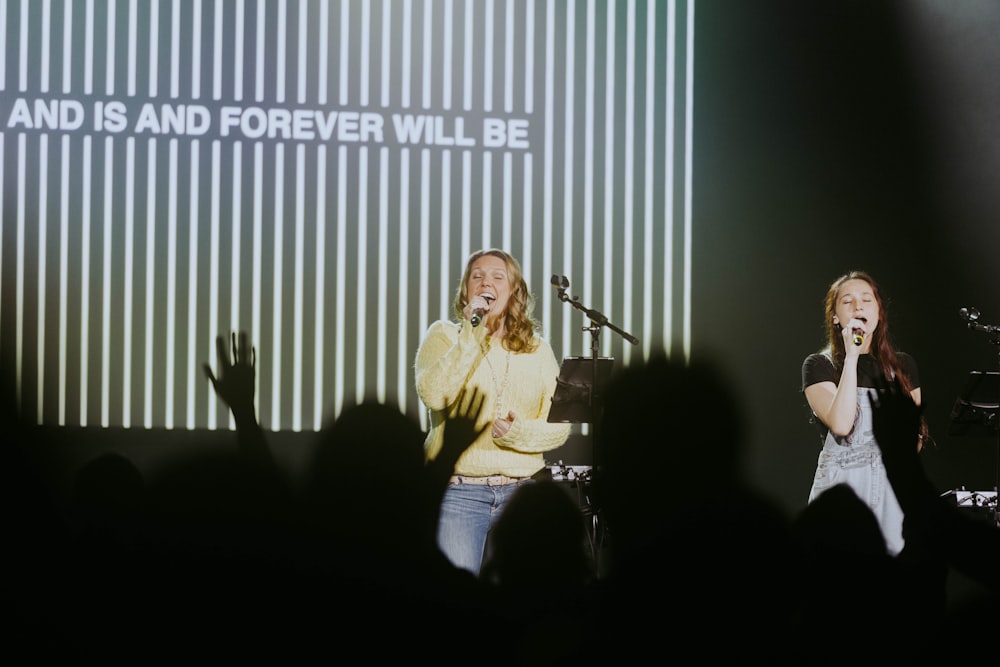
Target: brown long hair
column 518, row 321
column 882, row 349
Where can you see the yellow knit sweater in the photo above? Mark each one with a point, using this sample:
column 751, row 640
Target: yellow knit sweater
column 454, row 356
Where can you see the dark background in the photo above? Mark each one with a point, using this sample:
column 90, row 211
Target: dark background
column 833, row 136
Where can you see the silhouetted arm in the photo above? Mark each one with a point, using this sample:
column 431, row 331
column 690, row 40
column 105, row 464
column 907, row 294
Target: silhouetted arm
column 970, row 546
column 235, row 385
column 460, row 431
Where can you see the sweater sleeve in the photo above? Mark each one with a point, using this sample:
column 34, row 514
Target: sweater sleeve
column 446, row 358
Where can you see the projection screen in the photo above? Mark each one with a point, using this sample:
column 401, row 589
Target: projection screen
column 316, row 173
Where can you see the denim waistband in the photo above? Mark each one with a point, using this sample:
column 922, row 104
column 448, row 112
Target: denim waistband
column 489, row 480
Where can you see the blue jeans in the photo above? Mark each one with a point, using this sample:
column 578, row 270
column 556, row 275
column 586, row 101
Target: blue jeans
column 468, row 512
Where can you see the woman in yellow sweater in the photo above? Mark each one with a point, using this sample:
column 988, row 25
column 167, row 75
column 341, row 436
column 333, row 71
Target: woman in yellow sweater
column 495, row 347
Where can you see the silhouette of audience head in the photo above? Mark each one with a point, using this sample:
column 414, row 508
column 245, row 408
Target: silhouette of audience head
column 670, row 439
column 539, row 542
column 690, row 538
column 366, row 477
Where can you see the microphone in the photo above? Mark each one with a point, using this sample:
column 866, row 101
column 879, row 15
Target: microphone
column 969, row 314
column 858, row 338
column 479, row 313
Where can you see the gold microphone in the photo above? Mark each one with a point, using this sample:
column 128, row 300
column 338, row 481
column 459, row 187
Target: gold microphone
column 858, row 339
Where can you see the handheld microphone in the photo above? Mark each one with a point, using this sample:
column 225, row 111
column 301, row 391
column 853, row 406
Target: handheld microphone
column 479, row 313
column 858, row 339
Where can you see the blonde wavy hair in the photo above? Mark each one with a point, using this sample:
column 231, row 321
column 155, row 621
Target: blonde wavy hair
column 518, row 321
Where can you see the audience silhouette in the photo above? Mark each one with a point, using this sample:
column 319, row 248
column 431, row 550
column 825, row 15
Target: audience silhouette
column 694, row 548
column 217, row 556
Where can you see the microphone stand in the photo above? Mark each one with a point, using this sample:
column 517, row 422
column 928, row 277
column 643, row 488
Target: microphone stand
column 971, row 315
column 597, row 320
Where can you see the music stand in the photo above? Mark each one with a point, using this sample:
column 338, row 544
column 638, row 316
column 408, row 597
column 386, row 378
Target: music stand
column 577, row 394
column 977, row 408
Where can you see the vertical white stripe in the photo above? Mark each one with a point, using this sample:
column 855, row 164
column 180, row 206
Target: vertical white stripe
column 67, row 47
column 217, row 38
column 649, row 234
column 629, row 170
column 238, row 50
column 404, row 279
column 365, row 60
column 570, row 326
column 258, row 236
column 281, row 68
column 324, row 53
column 235, row 291
column 386, row 60
column 303, row 55
column 487, row 52
column 213, row 324
column 406, row 82
column 319, row 336
column 468, row 56
column 192, row 296
column 403, row 350
column 109, row 55
column 175, row 49
column 345, row 51
column 46, row 46
column 43, row 224
column 128, row 272
column 588, row 154
column 22, row 60
column 550, row 38
column 107, row 206
column 361, row 277
column 423, row 252
column 527, row 218
column 133, row 37
column 486, row 188
column 529, row 58
column 466, row 239
column 340, row 328
column 298, row 337
column 385, row 57
column 260, row 50
column 154, row 47
column 278, row 252
column 88, row 48
column 147, row 412
column 445, row 265
column 196, row 44
column 669, row 188
column 609, row 163
column 428, row 56
column 506, row 202
column 508, row 51
column 22, row 151
column 382, row 288
column 171, row 323
column 448, row 46
column 688, row 157
column 86, row 220
column 62, row 322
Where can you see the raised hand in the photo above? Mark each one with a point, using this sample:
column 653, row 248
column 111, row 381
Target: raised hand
column 461, row 427
column 235, row 383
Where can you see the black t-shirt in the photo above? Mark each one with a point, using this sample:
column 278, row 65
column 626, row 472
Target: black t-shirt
column 818, row 367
